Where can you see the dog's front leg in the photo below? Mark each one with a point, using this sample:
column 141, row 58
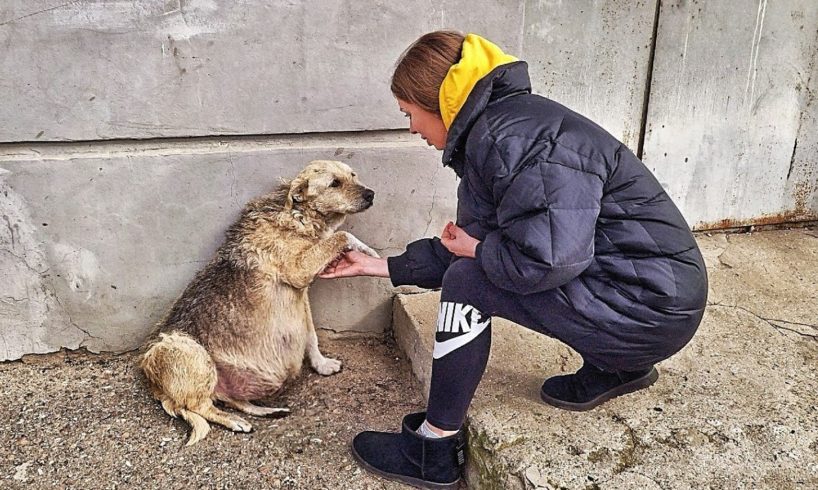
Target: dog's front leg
column 316, row 258
column 322, row 365
column 301, row 269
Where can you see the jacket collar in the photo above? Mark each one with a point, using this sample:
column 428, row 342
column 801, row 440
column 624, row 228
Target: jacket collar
column 503, row 81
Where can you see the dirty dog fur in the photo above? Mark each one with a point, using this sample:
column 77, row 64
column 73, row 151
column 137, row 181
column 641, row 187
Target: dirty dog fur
column 242, row 327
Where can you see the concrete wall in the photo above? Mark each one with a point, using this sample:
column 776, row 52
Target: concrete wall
column 100, row 232
column 594, row 57
column 98, row 240
column 732, row 128
column 89, row 70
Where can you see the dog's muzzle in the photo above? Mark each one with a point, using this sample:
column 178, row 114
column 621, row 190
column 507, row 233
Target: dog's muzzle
column 368, row 196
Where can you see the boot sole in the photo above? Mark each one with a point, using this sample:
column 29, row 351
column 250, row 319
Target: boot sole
column 408, row 480
column 629, row 387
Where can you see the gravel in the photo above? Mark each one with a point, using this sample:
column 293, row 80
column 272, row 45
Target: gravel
column 78, row 420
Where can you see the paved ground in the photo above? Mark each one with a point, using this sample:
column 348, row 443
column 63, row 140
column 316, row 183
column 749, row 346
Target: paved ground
column 737, row 408
column 87, row 422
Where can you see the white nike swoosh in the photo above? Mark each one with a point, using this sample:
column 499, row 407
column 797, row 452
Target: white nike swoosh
column 447, row 346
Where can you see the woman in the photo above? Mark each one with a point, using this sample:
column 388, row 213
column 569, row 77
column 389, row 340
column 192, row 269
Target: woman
column 560, row 228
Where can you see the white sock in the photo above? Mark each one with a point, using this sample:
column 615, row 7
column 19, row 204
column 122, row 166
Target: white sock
column 428, row 433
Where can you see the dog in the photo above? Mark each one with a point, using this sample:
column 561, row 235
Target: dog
column 242, row 327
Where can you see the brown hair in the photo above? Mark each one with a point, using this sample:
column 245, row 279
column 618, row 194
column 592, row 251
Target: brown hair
column 420, row 70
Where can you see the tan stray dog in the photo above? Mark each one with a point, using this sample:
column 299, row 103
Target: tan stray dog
column 243, row 325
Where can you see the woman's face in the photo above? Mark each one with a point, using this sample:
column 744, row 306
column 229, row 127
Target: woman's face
column 428, row 125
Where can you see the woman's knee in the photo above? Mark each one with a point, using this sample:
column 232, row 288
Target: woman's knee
column 463, row 272
column 465, row 282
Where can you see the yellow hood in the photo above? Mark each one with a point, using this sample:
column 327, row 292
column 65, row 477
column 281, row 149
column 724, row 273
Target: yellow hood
column 477, row 58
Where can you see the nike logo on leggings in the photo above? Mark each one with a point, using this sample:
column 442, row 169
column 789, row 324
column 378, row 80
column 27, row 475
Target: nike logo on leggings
column 456, row 318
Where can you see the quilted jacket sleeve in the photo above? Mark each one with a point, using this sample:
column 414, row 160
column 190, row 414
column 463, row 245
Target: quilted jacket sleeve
column 547, row 209
column 423, row 264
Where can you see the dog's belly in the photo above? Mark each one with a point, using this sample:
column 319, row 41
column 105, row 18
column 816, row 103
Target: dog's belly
column 244, row 384
column 260, row 373
column 262, row 363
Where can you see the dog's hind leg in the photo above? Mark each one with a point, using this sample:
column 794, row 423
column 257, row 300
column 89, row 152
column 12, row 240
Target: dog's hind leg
column 167, row 404
column 182, row 376
column 232, row 422
column 255, row 410
column 322, row 365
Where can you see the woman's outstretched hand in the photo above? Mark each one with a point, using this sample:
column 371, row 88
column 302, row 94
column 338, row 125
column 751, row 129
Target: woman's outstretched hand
column 352, row 264
column 458, row 242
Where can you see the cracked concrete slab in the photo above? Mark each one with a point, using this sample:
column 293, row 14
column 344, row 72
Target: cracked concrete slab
column 32, row 318
column 735, row 409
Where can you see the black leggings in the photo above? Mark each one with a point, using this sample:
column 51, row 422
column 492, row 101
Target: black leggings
column 468, row 300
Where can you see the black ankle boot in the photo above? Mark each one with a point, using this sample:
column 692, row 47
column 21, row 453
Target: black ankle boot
column 411, row 458
column 591, row 386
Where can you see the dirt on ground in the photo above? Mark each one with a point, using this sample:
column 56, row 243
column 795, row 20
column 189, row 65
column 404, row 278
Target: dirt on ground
column 79, row 420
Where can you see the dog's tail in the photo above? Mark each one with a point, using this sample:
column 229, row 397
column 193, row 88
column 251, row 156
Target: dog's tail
column 182, row 376
column 199, row 426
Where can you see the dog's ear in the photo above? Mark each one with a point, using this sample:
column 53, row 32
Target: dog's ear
column 298, row 189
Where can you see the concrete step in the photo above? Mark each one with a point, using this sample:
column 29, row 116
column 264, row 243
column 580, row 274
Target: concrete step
column 735, row 408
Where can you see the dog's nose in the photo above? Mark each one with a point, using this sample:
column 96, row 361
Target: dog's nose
column 369, row 195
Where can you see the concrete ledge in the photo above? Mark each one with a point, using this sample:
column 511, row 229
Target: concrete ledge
column 736, row 408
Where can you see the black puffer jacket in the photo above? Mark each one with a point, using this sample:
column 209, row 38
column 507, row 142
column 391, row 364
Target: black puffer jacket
column 558, row 202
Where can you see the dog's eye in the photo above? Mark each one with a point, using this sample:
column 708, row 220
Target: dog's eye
column 335, row 183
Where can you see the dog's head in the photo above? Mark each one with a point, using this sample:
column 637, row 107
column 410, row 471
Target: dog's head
column 329, row 187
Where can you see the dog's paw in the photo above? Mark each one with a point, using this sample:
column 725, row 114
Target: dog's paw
column 273, row 412
column 369, row 251
column 238, row 424
column 326, row 366
column 353, row 243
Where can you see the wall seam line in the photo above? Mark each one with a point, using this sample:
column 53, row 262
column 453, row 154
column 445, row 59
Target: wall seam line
column 643, row 128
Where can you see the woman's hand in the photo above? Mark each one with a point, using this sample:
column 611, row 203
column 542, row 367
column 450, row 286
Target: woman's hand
column 458, row 242
column 353, row 263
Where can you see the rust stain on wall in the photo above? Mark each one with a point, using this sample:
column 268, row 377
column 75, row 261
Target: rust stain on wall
column 802, row 192
column 763, row 220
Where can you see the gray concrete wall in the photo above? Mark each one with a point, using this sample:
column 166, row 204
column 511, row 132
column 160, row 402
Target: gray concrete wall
column 99, row 236
column 593, row 56
column 99, row 239
column 733, row 122
column 89, row 70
